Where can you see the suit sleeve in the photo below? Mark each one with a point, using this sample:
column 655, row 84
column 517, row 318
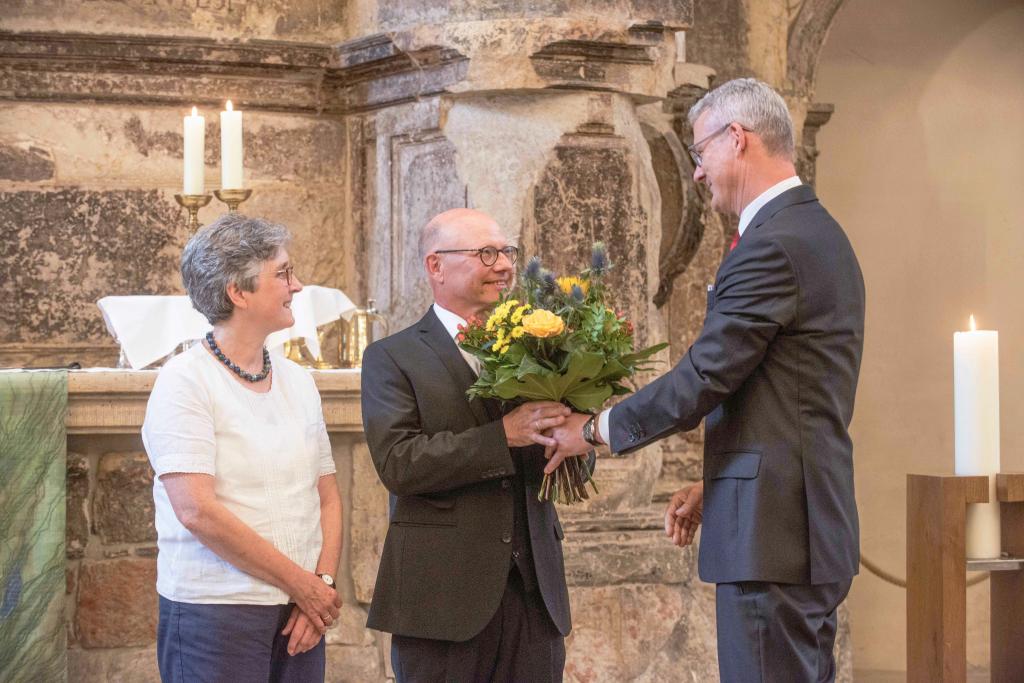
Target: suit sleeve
column 755, row 298
column 411, row 461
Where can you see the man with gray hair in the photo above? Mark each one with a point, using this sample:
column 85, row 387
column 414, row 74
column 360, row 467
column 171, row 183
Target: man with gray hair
column 774, row 370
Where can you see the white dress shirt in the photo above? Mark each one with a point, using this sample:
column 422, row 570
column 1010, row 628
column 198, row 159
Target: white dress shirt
column 747, row 215
column 451, row 322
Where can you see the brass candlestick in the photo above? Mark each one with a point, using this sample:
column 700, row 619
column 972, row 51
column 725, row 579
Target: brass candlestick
column 193, row 202
column 232, row 197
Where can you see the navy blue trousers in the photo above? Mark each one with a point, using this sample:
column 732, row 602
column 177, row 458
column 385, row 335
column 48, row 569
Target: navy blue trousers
column 227, row 643
column 777, row 631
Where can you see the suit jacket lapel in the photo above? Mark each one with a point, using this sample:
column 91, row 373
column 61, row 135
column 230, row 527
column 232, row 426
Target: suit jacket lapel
column 800, row 194
column 434, row 335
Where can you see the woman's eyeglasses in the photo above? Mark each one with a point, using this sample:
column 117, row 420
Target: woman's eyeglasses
column 286, row 274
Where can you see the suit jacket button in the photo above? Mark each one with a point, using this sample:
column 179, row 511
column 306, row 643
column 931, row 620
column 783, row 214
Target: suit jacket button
column 506, row 537
column 505, row 483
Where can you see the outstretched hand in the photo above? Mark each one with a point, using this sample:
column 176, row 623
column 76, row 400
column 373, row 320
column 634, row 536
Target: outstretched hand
column 684, row 514
column 569, row 441
column 525, row 426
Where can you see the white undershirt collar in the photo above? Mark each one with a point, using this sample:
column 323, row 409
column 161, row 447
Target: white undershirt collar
column 751, row 209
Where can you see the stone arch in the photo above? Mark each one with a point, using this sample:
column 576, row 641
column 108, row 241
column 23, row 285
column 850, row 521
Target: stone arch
column 807, row 33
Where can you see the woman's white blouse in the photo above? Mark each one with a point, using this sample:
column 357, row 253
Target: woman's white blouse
column 266, row 453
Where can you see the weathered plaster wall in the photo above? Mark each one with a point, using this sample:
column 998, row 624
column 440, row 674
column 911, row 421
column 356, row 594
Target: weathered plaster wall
column 312, row 20
column 88, row 211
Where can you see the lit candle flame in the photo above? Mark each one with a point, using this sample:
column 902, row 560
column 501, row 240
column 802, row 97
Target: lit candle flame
column 229, row 107
column 974, row 326
column 195, row 112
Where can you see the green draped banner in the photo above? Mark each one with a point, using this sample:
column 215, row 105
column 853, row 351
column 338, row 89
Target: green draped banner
column 33, row 467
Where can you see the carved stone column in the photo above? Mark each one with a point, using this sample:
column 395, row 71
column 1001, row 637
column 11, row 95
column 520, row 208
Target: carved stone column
column 807, row 154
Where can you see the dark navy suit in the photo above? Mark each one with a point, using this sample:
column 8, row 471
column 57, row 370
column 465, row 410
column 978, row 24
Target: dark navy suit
column 774, row 371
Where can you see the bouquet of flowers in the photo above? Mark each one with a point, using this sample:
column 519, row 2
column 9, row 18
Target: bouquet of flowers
column 557, row 339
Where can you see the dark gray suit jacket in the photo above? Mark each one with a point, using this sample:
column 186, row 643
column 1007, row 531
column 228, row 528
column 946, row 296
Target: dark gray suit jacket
column 775, row 371
column 446, row 461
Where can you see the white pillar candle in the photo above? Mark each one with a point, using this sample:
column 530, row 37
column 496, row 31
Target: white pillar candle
column 230, row 149
column 195, row 143
column 976, row 418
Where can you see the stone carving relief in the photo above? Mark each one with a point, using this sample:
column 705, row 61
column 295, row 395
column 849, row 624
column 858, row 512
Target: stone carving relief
column 586, row 194
column 404, row 175
column 60, row 248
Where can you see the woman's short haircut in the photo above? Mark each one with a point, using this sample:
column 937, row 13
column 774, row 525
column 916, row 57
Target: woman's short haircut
column 232, row 249
column 755, row 106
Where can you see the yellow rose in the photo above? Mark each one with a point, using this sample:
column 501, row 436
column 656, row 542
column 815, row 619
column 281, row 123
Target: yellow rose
column 543, row 323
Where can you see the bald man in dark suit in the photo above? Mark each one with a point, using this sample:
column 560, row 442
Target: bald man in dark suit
column 471, row 581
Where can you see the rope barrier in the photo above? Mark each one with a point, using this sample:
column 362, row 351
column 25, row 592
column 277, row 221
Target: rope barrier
column 896, row 581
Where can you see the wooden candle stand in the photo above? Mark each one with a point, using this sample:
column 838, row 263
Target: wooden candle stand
column 937, row 581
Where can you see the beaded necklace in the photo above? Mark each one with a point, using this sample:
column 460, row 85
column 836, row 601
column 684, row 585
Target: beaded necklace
column 247, row 376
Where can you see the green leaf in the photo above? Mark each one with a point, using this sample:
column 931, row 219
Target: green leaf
column 533, row 387
column 528, row 366
column 634, row 358
column 583, row 366
column 589, row 397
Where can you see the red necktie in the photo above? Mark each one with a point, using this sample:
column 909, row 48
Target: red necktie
column 735, row 240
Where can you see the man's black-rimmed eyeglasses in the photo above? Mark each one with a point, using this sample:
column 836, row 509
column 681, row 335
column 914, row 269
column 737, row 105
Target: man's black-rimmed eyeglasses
column 488, row 255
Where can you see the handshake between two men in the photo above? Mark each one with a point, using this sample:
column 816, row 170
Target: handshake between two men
column 561, row 432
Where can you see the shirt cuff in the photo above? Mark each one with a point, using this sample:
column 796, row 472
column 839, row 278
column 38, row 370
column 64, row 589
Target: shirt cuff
column 602, row 425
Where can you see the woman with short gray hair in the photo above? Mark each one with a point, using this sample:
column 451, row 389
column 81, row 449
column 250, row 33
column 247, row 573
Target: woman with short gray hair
column 248, row 514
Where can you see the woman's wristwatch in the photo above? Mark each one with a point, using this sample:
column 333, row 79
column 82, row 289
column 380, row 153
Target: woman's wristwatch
column 329, row 580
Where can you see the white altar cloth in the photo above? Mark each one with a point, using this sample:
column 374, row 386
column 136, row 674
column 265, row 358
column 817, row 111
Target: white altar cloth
column 150, row 327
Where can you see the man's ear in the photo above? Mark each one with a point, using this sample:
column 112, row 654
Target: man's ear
column 435, row 271
column 739, row 136
column 237, row 296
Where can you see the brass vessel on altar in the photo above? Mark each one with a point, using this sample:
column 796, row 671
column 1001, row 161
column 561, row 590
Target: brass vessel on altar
column 358, row 334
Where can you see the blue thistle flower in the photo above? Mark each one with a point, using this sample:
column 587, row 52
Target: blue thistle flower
column 598, row 259
column 533, row 269
column 548, row 280
column 577, row 294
